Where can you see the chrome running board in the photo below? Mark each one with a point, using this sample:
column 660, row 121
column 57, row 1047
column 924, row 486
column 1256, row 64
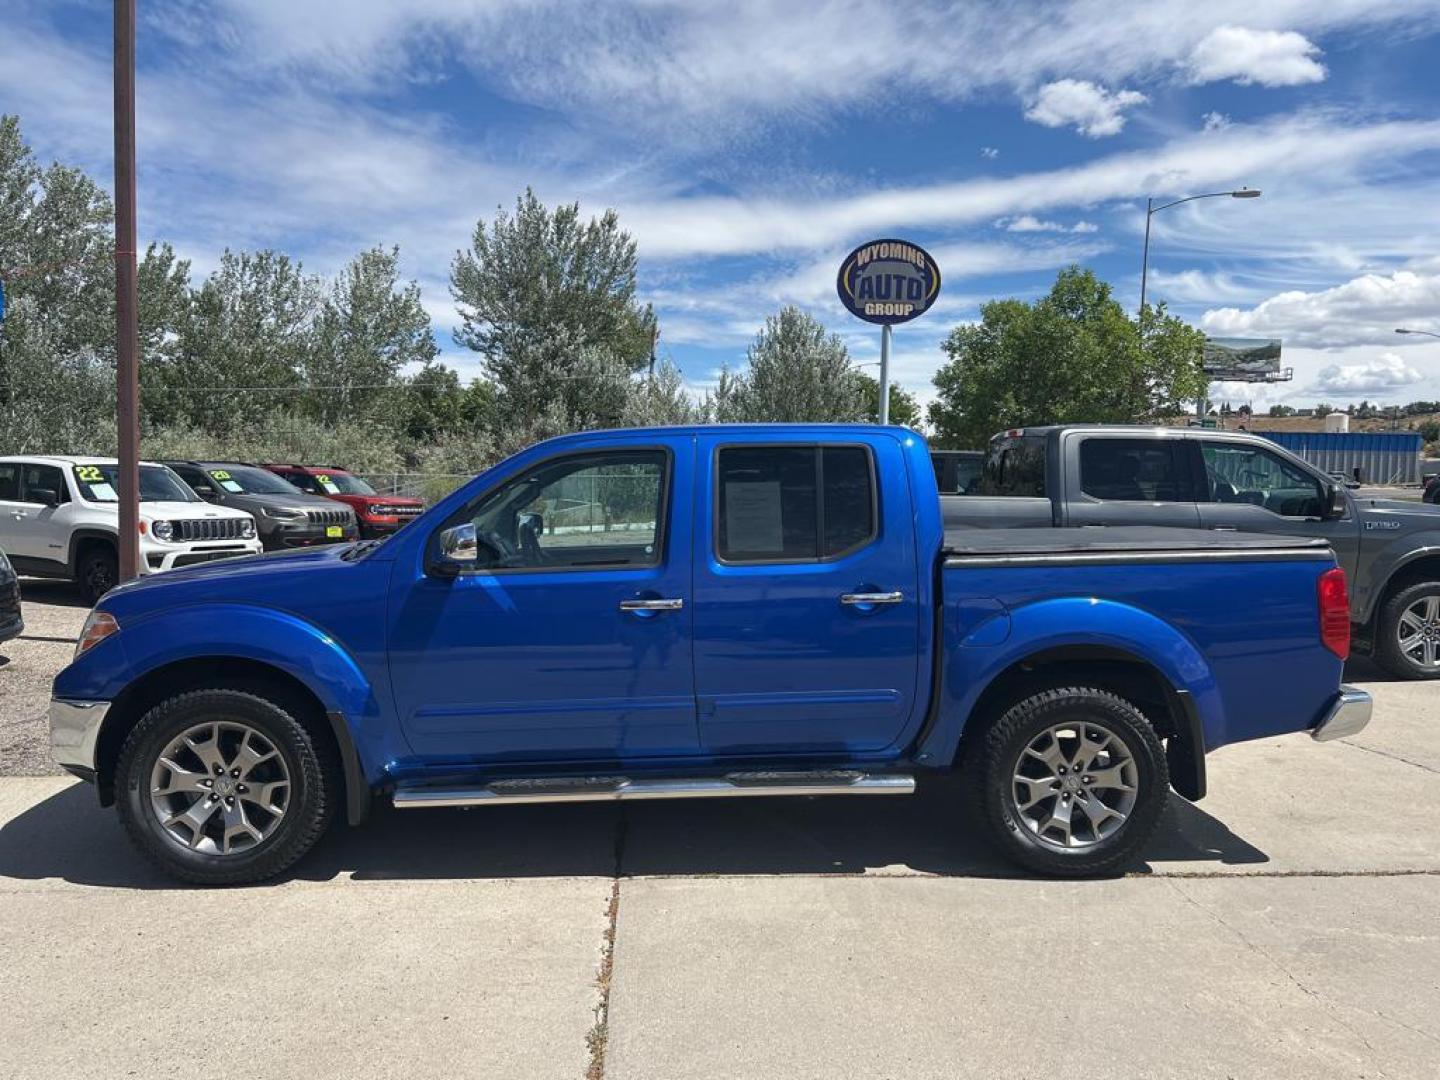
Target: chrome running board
column 621, row 788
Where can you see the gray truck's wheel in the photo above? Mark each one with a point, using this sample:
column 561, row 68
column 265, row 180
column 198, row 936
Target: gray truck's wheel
column 1069, row 782
column 222, row 787
column 1407, row 636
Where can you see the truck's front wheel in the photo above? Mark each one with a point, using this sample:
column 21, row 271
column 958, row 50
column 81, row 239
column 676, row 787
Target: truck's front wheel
column 1069, row 782
column 222, row 787
column 1408, row 634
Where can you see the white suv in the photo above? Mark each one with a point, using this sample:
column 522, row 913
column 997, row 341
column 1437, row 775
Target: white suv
column 59, row 517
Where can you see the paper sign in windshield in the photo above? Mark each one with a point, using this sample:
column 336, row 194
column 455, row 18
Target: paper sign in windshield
column 753, row 520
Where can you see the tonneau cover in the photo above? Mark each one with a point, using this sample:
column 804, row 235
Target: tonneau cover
column 1115, row 540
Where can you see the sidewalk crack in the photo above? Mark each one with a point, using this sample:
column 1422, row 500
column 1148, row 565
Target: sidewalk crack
column 1392, row 757
column 598, row 1037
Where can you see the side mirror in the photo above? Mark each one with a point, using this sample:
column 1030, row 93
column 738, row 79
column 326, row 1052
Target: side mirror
column 534, row 522
column 46, row 496
column 205, row 491
column 1336, row 506
column 459, row 550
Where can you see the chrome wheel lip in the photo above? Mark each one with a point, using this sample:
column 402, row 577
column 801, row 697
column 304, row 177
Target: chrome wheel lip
column 220, row 788
column 1417, row 632
column 1074, row 785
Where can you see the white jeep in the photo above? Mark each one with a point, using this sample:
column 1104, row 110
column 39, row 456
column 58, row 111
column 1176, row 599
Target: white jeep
column 60, row 515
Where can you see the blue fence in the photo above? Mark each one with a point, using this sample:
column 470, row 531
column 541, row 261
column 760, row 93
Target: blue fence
column 1383, row 457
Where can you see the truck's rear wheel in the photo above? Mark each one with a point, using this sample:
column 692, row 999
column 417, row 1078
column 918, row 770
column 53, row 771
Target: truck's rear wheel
column 221, row 787
column 1407, row 638
column 1069, row 782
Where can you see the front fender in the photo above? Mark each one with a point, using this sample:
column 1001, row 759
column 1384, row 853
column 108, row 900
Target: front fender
column 973, row 662
column 306, row 652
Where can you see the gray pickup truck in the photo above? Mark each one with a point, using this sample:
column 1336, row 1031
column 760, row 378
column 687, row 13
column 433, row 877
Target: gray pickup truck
column 1225, row 480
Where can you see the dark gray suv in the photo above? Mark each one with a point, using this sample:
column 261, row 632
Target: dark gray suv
column 285, row 515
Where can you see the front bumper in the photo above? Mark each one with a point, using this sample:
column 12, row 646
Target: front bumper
column 158, row 557
column 74, row 732
column 1348, row 715
column 303, row 534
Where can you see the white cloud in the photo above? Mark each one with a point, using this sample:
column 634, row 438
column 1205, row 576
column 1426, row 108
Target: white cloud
column 1386, row 372
column 1030, row 223
column 1216, row 121
column 1267, row 57
column 1092, row 109
column 1363, row 310
column 990, row 153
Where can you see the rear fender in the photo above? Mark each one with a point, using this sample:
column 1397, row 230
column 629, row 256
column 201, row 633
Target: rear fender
column 969, row 669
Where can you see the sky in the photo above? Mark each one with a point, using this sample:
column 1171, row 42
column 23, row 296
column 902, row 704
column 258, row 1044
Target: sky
column 749, row 145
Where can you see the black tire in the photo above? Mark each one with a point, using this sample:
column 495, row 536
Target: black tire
column 98, row 572
column 1387, row 645
column 311, row 798
column 992, row 762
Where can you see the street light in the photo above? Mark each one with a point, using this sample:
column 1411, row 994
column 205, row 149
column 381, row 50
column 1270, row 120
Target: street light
column 1427, row 333
column 1151, row 210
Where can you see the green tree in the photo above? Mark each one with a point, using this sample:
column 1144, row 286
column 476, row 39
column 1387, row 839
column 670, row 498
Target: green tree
column 797, row 372
column 368, row 330
column 548, row 301
column 1072, row 356
column 661, row 399
column 904, row 408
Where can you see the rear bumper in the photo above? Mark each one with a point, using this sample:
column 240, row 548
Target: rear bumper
column 74, row 732
column 1348, row 715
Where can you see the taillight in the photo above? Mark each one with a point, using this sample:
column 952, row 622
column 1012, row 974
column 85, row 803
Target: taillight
column 1335, row 612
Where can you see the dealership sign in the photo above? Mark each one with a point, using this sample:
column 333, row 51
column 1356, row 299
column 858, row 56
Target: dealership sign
column 888, row 281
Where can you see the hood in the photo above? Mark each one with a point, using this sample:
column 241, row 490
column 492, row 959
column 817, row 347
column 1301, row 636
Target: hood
column 299, row 501
column 237, row 577
column 1429, row 511
column 171, row 511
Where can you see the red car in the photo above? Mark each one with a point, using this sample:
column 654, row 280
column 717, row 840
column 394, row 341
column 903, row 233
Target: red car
column 379, row 515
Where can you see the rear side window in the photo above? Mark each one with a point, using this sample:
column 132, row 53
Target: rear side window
column 9, row 482
column 1016, row 466
column 1135, row 470
column 794, row 503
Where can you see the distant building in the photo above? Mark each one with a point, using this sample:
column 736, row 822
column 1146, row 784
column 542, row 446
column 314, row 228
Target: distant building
column 1383, row 457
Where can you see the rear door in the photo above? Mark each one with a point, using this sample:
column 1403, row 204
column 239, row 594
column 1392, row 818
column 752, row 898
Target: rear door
column 807, row 618
column 13, row 512
column 1253, row 488
column 1137, row 479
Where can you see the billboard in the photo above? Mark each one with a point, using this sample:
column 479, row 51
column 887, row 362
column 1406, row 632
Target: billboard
column 1243, row 360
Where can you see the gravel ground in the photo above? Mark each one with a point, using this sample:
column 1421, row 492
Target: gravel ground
column 53, row 614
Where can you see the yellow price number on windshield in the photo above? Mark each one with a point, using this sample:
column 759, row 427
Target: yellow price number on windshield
column 89, row 474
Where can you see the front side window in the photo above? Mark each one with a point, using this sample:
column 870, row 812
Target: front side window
column 1134, row 470
column 339, row 483
column 591, row 511
column 793, row 503
column 1249, row 474
column 1016, row 466
column 45, row 478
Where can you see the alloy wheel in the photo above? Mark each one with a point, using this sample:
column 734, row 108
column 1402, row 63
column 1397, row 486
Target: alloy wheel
column 1075, row 784
column 1418, row 632
column 221, row 788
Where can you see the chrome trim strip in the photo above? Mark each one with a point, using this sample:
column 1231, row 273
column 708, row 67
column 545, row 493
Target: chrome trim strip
column 652, row 605
column 1347, row 716
column 75, row 729
column 1129, row 558
column 682, row 788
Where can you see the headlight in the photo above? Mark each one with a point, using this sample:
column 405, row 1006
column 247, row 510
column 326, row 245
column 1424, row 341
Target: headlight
column 283, row 515
column 247, row 529
column 162, row 530
column 99, row 626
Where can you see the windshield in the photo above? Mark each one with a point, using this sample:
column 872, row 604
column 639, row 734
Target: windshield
column 339, row 483
column 245, row 480
column 100, row 483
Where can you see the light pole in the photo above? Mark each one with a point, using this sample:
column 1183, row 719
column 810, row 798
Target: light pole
column 1427, row 333
column 127, row 397
column 1151, row 210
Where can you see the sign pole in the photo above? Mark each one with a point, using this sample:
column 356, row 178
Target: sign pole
column 885, row 374
column 126, row 336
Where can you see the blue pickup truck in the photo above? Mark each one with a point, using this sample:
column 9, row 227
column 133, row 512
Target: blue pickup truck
column 700, row 612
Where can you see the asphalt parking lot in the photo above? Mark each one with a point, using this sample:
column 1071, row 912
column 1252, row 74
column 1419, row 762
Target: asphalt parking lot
column 1287, row 926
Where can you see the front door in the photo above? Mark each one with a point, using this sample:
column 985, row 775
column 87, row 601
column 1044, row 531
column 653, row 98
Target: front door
column 807, row 613
column 1254, row 489
column 570, row 639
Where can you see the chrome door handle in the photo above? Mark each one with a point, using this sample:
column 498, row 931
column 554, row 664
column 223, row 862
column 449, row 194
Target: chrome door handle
column 651, row 605
column 872, row 598
column 1223, row 528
